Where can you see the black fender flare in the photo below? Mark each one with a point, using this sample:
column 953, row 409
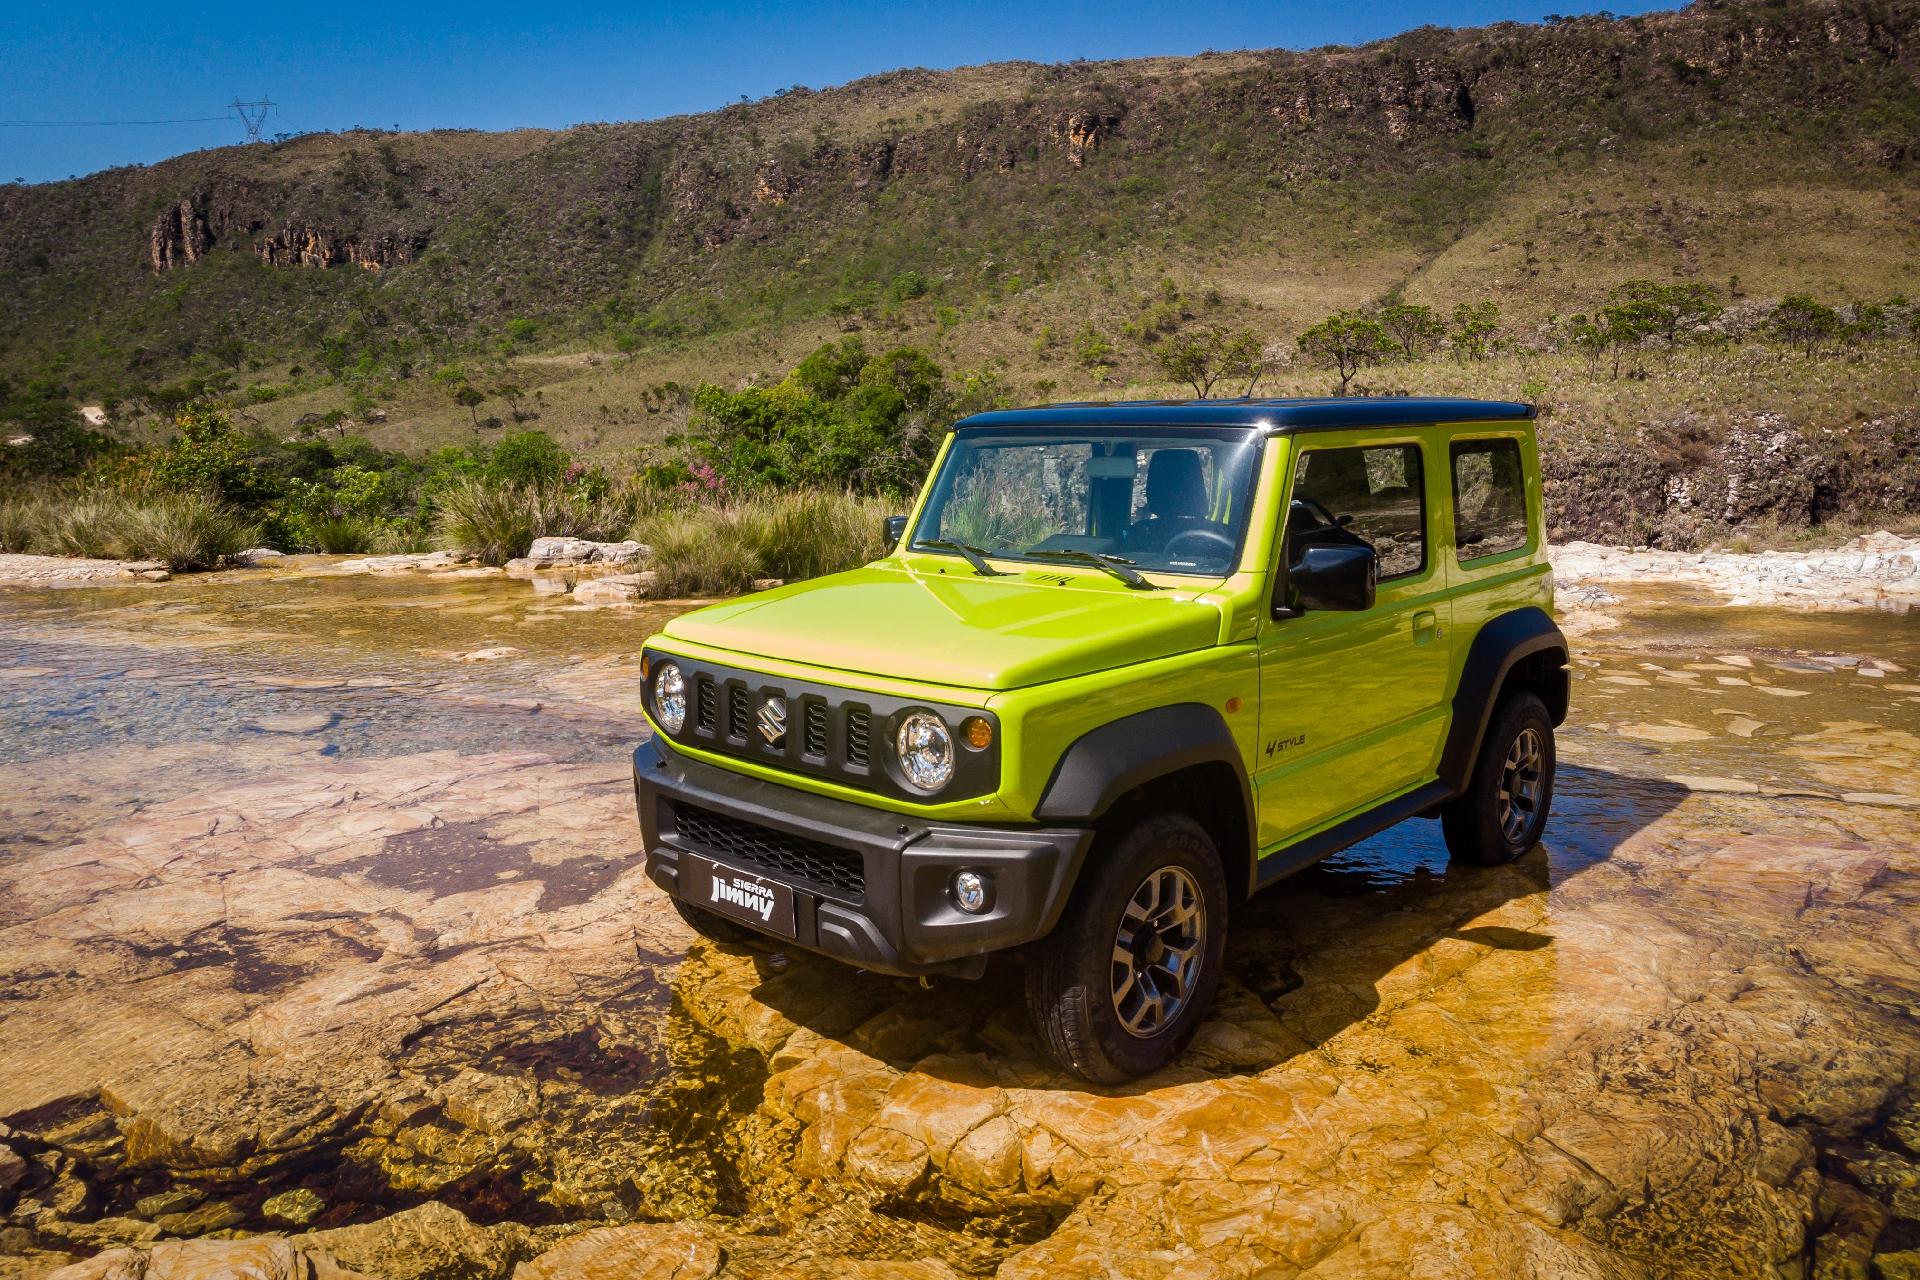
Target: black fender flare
column 1501, row 645
column 1104, row 764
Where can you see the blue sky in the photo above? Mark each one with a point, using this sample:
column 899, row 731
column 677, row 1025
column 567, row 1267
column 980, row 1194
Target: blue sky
column 489, row 65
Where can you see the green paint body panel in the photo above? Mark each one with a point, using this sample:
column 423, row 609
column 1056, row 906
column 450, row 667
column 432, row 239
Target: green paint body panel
column 1334, row 713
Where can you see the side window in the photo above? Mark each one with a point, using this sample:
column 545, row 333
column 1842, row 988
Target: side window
column 1489, row 498
column 1368, row 496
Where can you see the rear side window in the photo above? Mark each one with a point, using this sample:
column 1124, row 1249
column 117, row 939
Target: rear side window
column 1369, row 496
column 1489, row 498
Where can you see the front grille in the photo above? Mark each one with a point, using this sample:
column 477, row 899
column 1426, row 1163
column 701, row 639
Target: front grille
column 832, row 733
column 750, row 845
column 859, row 726
column 737, row 712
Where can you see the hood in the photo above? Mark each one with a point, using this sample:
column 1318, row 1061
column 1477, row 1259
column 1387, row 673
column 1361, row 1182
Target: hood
column 955, row 628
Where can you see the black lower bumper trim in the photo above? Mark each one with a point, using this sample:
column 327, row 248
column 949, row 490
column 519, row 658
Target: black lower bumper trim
column 897, row 915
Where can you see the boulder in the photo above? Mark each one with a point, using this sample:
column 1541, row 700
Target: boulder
column 566, row 553
column 258, row 557
column 262, row 1258
column 12, row 1168
column 617, row 588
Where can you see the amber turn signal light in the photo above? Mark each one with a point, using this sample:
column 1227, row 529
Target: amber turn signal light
column 978, row 732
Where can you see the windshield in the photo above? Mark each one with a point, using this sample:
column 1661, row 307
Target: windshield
column 1173, row 502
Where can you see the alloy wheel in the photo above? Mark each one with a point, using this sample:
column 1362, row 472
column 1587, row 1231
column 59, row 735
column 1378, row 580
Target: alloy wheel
column 1522, row 780
column 1157, row 952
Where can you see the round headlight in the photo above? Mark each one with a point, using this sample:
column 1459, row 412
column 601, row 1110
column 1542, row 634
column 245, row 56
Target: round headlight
column 670, row 697
column 925, row 749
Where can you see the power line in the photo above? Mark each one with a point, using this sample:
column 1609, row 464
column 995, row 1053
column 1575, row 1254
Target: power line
column 50, row 124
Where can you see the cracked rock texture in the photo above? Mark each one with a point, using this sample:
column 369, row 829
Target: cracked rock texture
column 379, row 989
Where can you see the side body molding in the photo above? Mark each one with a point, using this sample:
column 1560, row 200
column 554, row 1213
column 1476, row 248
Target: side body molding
column 1105, row 763
column 1520, row 636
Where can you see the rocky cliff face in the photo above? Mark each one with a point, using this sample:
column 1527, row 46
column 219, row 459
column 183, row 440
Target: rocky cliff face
column 186, row 229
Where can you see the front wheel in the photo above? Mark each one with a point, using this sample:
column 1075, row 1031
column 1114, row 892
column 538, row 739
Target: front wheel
column 1118, row 989
column 1504, row 808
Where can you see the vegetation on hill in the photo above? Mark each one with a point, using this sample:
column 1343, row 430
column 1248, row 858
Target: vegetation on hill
column 1682, row 233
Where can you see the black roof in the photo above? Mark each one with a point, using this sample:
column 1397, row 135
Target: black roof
column 1274, row 414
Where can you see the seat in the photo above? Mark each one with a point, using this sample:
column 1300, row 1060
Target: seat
column 1176, row 500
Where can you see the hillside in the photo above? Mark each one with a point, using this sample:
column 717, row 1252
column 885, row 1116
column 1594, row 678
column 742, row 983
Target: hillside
column 989, row 213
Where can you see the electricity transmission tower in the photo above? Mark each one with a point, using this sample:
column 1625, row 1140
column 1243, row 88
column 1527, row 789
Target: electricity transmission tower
column 252, row 115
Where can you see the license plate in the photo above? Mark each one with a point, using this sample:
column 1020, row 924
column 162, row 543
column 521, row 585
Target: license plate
column 738, row 895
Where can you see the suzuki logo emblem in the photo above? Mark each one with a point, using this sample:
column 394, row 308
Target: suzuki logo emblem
column 773, row 720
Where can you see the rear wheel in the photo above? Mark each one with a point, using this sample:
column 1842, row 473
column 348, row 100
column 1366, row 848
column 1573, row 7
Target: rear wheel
column 1504, row 808
column 1119, row 987
column 714, row 928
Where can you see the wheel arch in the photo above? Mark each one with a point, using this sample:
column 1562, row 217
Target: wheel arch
column 1519, row 649
column 1182, row 755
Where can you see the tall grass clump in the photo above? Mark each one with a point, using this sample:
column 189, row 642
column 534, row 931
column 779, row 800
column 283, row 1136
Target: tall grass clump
column 186, row 530
column 498, row 522
column 83, row 524
column 21, row 516
column 701, row 550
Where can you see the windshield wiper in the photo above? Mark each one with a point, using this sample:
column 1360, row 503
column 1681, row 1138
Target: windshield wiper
column 975, row 556
column 1118, row 566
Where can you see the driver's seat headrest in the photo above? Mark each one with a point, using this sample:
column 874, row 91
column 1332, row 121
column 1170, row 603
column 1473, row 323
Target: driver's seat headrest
column 1176, row 486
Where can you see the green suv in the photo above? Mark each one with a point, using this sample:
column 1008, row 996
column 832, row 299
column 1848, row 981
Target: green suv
column 1125, row 665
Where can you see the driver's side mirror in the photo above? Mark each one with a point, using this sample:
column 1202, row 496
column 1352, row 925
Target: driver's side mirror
column 896, row 530
column 1339, row 577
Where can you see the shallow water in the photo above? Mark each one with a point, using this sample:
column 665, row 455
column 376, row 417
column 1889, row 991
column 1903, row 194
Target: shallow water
column 276, row 860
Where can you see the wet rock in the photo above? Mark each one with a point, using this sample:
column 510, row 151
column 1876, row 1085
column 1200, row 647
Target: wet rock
column 175, row 1200
column 493, row 654
column 1904, row 1265
column 215, row 1215
column 263, row 1258
column 295, row 722
column 429, row 1242
column 549, row 553
column 411, row 562
column 649, row 1251
column 298, row 1206
column 259, row 557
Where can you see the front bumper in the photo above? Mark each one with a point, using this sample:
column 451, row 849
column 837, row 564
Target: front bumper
column 888, row 907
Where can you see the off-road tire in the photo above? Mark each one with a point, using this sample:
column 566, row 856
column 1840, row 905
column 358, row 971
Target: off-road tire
column 714, row 928
column 1474, row 823
column 1070, row 973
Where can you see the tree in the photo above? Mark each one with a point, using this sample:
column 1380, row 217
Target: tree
column 511, row 393
column 1668, row 310
column 526, row 458
column 1202, row 359
column 1476, row 329
column 471, row 398
column 1414, row 327
column 1349, row 341
column 1804, row 322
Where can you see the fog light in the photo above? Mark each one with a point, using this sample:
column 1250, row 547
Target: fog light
column 970, row 892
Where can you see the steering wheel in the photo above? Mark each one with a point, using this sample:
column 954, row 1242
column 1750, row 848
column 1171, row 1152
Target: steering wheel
column 1318, row 512
column 1207, row 540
